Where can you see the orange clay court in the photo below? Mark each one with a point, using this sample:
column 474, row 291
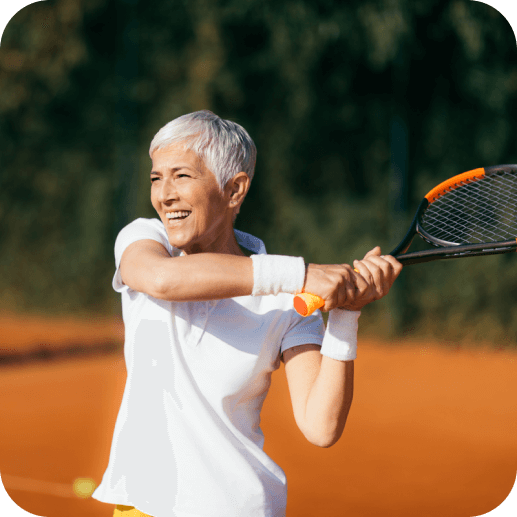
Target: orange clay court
column 431, row 431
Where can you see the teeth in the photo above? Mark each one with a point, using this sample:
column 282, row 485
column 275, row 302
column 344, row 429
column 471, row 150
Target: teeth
column 177, row 215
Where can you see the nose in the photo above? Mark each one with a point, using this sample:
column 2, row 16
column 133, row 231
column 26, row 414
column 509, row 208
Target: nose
column 168, row 191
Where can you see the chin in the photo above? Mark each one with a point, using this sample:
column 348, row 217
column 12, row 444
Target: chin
column 178, row 243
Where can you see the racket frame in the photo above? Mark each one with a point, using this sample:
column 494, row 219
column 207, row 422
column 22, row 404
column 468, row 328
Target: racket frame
column 306, row 303
column 446, row 249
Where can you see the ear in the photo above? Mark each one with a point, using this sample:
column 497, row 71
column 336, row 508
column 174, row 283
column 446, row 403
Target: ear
column 237, row 188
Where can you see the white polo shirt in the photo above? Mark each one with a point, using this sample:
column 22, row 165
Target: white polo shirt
column 187, row 441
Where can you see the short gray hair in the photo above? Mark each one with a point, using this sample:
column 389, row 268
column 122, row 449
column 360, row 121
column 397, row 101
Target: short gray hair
column 224, row 146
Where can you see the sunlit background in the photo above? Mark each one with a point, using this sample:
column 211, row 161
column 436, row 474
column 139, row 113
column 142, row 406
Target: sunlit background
column 357, row 108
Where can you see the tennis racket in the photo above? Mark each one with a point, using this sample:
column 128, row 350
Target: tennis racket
column 468, row 215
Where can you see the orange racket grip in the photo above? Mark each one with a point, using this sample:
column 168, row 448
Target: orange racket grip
column 305, row 303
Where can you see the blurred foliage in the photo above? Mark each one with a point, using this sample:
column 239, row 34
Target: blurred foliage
column 85, row 85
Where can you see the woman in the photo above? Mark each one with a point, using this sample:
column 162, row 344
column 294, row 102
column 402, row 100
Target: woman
column 208, row 316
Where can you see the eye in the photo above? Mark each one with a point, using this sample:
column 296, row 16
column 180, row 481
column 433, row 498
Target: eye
column 154, row 179
column 183, row 176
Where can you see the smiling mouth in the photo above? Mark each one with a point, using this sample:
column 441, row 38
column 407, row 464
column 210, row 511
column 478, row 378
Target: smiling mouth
column 177, row 216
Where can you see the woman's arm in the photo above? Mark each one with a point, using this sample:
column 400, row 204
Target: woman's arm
column 147, row 267
column 321, row 392
column 321, row 388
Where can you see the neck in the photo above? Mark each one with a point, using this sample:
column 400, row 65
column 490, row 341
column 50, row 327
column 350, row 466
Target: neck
column 225, row 242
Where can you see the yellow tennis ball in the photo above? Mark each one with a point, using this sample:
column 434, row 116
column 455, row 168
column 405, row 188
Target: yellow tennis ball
column 84, row 487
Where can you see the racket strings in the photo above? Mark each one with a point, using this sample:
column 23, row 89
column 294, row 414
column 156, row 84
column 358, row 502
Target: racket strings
column 477, row 212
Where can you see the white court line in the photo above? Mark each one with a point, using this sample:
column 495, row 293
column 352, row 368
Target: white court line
column 37, row 486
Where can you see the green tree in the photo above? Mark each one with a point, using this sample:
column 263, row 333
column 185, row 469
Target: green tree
column 357, row 109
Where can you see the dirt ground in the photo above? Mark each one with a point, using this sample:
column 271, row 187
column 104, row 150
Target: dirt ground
column 431, row 431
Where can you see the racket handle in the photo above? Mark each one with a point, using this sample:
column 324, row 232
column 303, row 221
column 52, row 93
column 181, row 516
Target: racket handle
column 305, row 303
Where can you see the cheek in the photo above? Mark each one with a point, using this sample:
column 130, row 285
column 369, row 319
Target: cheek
column 211, row 204
column 216, row 210
column 154, row 201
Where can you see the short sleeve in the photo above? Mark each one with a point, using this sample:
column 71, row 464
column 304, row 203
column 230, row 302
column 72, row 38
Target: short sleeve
column 138, row 230
column 304, row 331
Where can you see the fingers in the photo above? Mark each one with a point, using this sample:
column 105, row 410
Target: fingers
column 335, row 283
column 356, row 289
column 349, row 287
column 340, row 286
column 346, row 286
column 375, row 274
column 379, row 271
column 373, row 253
column 397, row 266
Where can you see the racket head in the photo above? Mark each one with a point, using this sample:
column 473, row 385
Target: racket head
column 476, row 207
column 471, row 214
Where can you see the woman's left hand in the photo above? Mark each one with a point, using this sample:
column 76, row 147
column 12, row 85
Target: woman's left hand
column 379, row 273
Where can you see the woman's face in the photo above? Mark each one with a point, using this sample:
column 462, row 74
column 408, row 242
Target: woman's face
column 186, row 195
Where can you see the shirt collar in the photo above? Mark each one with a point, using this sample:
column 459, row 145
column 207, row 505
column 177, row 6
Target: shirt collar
column 250, row 242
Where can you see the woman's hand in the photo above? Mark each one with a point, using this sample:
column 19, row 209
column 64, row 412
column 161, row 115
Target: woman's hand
column 379, row 273
column 340, row 286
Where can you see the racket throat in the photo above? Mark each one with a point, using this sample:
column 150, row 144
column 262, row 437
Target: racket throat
column 410, row 235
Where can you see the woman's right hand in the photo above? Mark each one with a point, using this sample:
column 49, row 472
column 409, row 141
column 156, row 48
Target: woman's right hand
column 338, row 284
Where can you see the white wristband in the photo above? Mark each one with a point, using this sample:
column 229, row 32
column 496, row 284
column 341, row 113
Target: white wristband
column 273, row 274
column 340, row 339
